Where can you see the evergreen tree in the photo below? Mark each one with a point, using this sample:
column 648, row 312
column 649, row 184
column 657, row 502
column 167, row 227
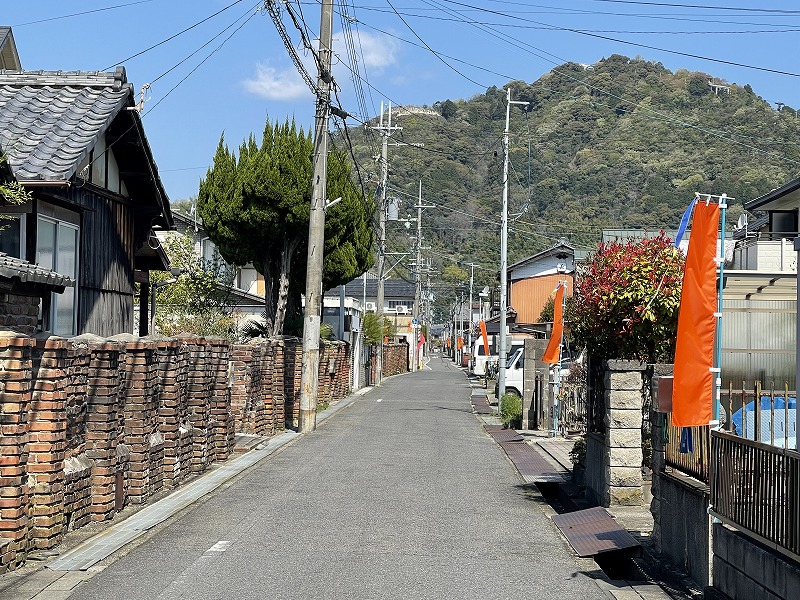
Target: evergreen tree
column 255, row 207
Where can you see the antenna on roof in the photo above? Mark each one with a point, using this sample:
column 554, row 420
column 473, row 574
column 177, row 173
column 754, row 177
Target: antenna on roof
column 143, row 97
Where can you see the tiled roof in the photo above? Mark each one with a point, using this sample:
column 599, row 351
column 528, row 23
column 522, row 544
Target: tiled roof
column 21, row 270
column 50, row 120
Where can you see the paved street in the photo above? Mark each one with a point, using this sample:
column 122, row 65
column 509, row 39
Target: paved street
column 400, row 495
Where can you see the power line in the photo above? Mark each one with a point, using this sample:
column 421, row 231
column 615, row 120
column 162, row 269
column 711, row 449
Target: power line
column 639, row 45
column 172, row 37
column 82, row 13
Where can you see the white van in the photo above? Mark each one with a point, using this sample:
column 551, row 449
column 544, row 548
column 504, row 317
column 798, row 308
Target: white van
column 515, row 371
column 479, row 358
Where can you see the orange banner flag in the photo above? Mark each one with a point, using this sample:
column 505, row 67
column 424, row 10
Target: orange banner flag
column 692, row 392
column 482, row 325
column 552, row 354
column 460, row 342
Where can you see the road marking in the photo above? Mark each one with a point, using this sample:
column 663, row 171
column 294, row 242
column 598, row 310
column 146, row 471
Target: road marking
column 220, row 546
column 379, row 400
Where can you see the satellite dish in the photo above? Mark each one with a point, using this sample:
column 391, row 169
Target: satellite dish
column 742, row 222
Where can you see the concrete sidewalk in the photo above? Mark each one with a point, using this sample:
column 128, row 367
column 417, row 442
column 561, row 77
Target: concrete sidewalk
column 637, row 520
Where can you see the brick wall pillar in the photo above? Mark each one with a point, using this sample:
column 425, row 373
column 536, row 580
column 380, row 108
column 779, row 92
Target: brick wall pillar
column 199, row 401
column 221, row 423
column 171, row 409
column 48, row 427
column 142, row 437
column 104, row 433
column 15, row 398
column 242, row 359
column 278, row 389
column 292, row 373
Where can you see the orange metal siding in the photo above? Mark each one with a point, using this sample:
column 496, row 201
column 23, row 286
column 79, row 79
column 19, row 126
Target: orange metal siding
column 528, row 296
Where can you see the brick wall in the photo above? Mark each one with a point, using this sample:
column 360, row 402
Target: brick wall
column 20, row 313
column 89, row 424
column 395, row 359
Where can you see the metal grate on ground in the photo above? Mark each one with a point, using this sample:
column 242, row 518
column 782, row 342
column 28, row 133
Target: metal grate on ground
column 532, row 466
column 594, row 531
column 502, row 436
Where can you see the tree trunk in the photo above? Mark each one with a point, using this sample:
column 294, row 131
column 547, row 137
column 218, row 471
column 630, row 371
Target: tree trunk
column 285, row 268
column 269, row 297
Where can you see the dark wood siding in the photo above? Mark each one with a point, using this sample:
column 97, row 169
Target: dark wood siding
column 105, row 283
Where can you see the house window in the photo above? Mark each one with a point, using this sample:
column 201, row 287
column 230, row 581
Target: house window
column 57, row 250
column 12, row 235
column 209, row 251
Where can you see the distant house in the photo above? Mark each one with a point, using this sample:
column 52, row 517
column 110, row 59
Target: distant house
column 533, row 280
column 76, row 141
column 242, row 286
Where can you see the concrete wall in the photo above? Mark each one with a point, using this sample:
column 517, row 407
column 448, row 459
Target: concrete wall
column 747, row 570
column 597, row 470
column 681, row 526
column 536, row 393
column 89, row 424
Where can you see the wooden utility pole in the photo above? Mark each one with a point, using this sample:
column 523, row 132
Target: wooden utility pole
column 386, row 131
column 309, row 383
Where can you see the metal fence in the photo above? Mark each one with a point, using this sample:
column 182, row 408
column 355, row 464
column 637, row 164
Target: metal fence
column 759, row 414
column 756, row 488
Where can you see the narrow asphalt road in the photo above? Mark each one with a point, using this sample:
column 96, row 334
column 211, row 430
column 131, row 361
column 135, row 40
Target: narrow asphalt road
column 400, row 495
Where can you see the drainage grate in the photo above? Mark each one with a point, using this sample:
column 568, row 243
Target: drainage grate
column 533, row 467
column 502, row 436
column 594, row 531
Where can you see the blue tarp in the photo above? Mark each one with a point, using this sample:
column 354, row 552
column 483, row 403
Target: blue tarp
column 771, row 409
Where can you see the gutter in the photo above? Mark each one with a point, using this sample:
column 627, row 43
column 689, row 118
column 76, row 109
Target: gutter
column 39, row 183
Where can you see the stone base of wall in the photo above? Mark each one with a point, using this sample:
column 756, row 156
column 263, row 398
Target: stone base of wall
column 745, row 569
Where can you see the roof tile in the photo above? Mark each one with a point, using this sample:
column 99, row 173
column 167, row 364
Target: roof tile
column 50, row 119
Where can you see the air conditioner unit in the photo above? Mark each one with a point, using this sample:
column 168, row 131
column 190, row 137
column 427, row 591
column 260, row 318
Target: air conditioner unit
column 401, row 309
column 370, row 306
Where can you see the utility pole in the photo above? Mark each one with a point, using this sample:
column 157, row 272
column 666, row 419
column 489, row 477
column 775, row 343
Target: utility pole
column 386, row 132
column 309, row 383
column 418, row 277
column 503, row 349
column 469, row 311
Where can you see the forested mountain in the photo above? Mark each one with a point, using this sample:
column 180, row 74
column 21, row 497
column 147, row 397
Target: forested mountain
column 621, row 143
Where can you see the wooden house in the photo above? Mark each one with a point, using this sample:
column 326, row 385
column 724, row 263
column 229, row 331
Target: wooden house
column 76, row 142
column 534, row 279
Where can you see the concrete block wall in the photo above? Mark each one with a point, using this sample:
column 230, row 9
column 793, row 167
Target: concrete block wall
column 615, row 477
column 745, row 569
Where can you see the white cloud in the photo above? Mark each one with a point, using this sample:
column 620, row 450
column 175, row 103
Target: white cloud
column 377, row 51
column 273, row 84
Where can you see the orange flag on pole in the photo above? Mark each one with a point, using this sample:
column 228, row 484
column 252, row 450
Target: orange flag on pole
column 552, row 354
column 460, row 343
column 692, row 391
column 482, row 324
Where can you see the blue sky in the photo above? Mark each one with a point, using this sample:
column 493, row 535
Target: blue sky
column 233, row 71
